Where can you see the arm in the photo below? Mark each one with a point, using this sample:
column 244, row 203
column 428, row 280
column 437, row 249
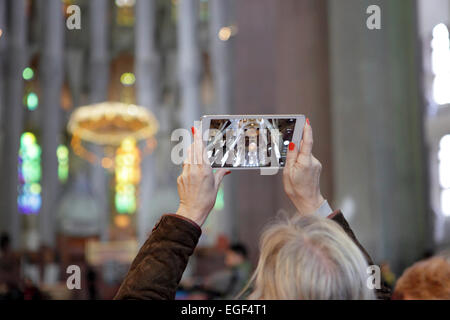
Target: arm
column 160, row 263
column 339, row 218
column 301, row 183
column 384, row 293
column 325, row 211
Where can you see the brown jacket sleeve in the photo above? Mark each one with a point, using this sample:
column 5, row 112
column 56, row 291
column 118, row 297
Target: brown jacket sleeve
column 384, row 293
column 160, row 263
column 338, row 217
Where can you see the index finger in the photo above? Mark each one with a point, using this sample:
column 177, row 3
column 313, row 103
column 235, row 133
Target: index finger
column 307, row 140
column 189, row 155
column 198, row 146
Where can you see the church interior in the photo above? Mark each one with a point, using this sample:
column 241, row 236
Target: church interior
column 92, row 90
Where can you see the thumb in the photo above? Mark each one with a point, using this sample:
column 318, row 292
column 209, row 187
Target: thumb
column 218, row 176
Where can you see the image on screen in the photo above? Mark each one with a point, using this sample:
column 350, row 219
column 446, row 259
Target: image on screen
column 249, row 142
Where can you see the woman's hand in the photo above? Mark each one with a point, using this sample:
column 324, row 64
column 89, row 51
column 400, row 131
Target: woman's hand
column 301, row 175
column 197, row 184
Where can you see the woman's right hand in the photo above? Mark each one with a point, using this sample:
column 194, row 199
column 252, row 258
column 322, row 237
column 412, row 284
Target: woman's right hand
column 301, row 175
column 198, row 184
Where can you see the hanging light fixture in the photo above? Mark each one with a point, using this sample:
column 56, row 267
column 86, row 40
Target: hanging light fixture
column 118, row 127
column 109, row 123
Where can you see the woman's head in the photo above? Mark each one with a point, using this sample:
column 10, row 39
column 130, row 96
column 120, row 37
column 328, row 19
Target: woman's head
column 309, row 258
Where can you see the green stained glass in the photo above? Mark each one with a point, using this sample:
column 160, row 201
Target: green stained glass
column 62, row 153
column 32, row 101
column 28, row 73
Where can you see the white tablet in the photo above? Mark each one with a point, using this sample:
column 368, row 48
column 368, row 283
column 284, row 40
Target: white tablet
column 250, row 141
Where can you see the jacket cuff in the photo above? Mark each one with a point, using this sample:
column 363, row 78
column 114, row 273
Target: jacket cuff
column 324, row 210
column 334, row 214
column 185, row 219
column 179, row 219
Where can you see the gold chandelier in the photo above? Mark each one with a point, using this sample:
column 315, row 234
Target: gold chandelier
column 108, row 124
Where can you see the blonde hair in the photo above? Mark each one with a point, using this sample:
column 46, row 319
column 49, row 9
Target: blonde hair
column 309, row 258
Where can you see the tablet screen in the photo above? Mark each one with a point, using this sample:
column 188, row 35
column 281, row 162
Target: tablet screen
column 249, row 142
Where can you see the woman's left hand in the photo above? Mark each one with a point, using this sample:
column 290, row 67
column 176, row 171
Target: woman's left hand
column 301, row 175
column 197, row 184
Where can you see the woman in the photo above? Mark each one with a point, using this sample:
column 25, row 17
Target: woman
column 307, row 257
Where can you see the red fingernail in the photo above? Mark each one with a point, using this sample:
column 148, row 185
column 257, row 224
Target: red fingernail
column 228, row 172
column 307, row 121
column 291, row 146
column 193, row 130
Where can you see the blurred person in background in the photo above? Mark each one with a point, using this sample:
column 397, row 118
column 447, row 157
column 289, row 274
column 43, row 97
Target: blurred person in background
column 50, row 267
column 225, row 283
column 307, row 257
column 32, row 269
column 91, row 280
column 50, row 283
column 9, row 271
column 387, row 274
column 237, row 273
column 31, row 291
column 425, row 280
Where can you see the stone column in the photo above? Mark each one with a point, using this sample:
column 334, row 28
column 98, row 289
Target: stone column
column 147, row 92
column 99, row 80
column 3, row 52
column 221, row 54
column 15, row 38
column 99, row 50
column 52, row 75
column 3, row 59
column 188, row 62
column 221, row 15
column 378, row 149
